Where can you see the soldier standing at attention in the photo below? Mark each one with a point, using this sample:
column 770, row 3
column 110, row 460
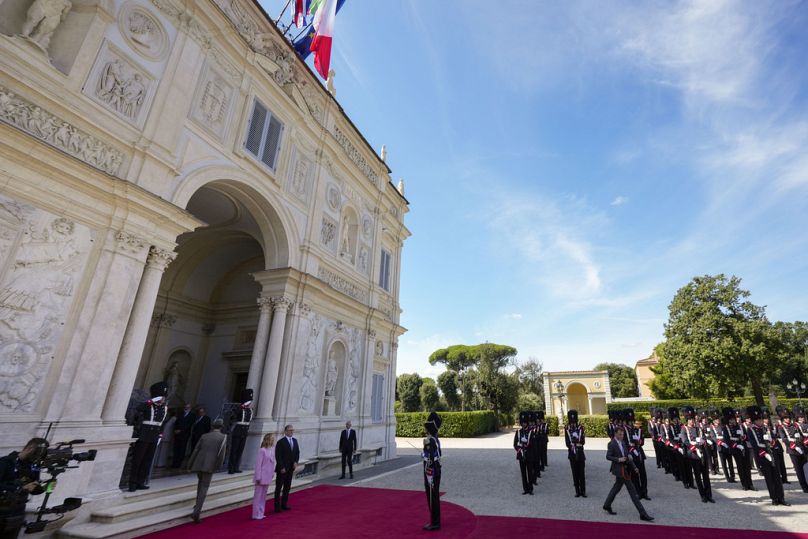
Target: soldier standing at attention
column 675, row 450
column 533, row 472
column 735, row 439
column 791, row 439
column 697, row 455
column 635, row 440
column 148, row 425
column 544, row 437
column 722, row 447
column 760, row 439
column 777, row 448
column 431, row 457
column 521, row 442
column 575, row 438
column 240, row 428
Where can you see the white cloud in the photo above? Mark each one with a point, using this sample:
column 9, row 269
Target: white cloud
column 515, row 316
column 619, row 201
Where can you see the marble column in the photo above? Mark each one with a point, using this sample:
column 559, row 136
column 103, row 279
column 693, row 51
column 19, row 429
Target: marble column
column 269, row 378
column 589, row 399
column 260, row 346
column 123, row 378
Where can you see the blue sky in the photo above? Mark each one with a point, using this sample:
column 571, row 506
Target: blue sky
column 570, row 165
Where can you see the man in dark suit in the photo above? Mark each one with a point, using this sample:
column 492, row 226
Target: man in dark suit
column 182, row 432
column 347, row 447
column 201, row 426
column 287, row 455
column 622, row 468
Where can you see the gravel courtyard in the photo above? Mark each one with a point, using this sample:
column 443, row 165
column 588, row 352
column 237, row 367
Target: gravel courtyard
column 482, row 474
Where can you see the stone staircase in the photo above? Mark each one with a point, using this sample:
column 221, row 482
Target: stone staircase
column 167, row 503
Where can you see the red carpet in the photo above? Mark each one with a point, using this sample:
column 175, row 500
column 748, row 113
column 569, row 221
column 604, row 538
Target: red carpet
column 331, row 511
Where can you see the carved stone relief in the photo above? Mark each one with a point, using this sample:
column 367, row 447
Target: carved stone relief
column 339, row 283
column 328, row 234
column 42, row 256
column 43, row 18
column 311, row 367
column 212, row 104
column 354, row 371
column 355, row 155
column 362, row 260
column 367, row 227
column 379, row 349
column 120, row 86
column 143, row 32
column 300, row 180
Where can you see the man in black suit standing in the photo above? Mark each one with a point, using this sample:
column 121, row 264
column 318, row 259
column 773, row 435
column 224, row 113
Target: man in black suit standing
column 287, row 455
column 623, row 467
column 182, row 431
column 201, row 426
column 347, row 448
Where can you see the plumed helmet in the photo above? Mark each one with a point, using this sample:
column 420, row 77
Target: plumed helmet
column 765, row 411
column 727, row 414
column 433, row 423
column 247, row 395
column 658, row 413
column 572, row 416
column 158, row 389
column 673, row 412
column 782, row 411
column 798, row 410
column 540, row 415
column 524, row 417
column 689, row 412
column 628, row 415
column 754, row 412
column 531, row 416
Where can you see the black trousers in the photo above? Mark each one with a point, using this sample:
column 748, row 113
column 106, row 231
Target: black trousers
column 701, row 471
column 527, row 479
column 578, row 475
column 180, row 443
column 11, row 524
column 726, row 464
column 542, row 455
column 780, row 464
column 283, row 482
column 619, row 482
column 640, row 479
column 685, row 470
column 142, row 456
column 237, row 444
column 744, row 472
column 798, row 461
column 712, row 451
column 673, row 462
column 433, row 496
column 347, row 458
column 773, row 481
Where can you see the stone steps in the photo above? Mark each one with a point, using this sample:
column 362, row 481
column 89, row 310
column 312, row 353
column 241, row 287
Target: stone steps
column 166, row 505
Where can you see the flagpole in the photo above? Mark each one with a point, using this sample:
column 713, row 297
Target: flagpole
column 300, row 34
column 284, row 11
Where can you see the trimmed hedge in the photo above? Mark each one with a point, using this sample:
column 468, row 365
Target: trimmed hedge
column 742, row 402
column 455, row 424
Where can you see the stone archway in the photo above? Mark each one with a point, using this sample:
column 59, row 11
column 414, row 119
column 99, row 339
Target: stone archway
column 578, row 398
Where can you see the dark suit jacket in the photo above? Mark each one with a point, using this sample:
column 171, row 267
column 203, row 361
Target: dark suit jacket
column 347, row 444
column 184, row 424
column 199, row 428
column 613, row 454
column 286, row 456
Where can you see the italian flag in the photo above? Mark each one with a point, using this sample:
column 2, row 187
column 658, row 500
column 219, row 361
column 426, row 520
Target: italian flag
column 324, row 30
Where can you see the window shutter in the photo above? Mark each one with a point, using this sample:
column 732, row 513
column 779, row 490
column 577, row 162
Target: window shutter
column 272, row 142
column 256, row 129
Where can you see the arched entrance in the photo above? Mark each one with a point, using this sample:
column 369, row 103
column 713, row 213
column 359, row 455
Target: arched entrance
column 577, row 398
column 206, row 318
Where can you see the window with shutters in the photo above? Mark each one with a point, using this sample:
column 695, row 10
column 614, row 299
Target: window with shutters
column 384, row 270
column 264, row 132
column 376, row 398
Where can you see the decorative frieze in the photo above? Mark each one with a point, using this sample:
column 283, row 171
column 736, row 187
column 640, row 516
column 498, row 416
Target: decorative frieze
column 129, row 243
column 181, row 19
column 54, row 131
column 341, row 284
column 355, row 156
column 328, row 234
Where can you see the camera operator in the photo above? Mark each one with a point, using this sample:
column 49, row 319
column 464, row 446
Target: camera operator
column 19, row 477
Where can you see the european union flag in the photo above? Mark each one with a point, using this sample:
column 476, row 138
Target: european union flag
column 303, row 43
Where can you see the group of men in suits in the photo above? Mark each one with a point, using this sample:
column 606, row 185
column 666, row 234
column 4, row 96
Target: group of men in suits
column 530, row 443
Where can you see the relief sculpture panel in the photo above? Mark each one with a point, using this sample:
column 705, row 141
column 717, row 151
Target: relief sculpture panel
column 212, row 103
column 42, row 257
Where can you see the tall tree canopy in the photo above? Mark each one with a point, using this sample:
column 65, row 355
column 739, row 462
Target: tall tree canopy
column 530, row 378
column 622, row 379
column 409, row 391
column 448, row 385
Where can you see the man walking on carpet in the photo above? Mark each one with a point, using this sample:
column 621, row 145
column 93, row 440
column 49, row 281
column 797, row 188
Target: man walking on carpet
column 623, row 466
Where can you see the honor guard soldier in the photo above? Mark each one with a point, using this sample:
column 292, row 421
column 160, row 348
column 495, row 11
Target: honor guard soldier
column 533, row 450
column 239, row 429
column 575, row 438
column 521, row 443
column 543, row 435
column 722, row 446
column 673, row 432
column 791, row 439
column 708, row 416
column 610, row 426
column 746, row 425
column 777, row 447
column 635, row 439
column 653, row 435
column 431, row 457
column 148, row 426
column 696, row 447
column 735, row 439
column 761, row 440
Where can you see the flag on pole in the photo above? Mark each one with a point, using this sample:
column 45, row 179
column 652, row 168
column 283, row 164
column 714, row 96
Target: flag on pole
column 303, row 43
column 299, row 14
column 324, row 31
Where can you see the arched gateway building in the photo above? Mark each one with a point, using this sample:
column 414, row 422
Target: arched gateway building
column 182, row 200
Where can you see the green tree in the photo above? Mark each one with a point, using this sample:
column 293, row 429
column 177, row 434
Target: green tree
column 664, row 384
column 622, row 379
column 530, row 378
column 793, row 363
column 409, row 386
column 717, row 342
column 529, row 401
column 499, row 389
column 448, row 385
column 458, row 358
column 430, row 398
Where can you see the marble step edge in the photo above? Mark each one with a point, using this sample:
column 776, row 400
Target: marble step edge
column 184, row 482
column 155, row 521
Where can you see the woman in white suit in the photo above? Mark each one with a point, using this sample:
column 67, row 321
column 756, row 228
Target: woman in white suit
column 264, row 472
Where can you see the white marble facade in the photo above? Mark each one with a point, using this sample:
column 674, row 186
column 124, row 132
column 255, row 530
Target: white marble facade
column 154, row 226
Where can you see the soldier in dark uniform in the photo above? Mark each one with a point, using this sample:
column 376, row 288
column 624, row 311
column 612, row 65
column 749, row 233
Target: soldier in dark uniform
column 707, row 418
column 575, row 438
column 533, row 450
column 239, row 428
column 735, row 440
column 521, row 443
column 653, row 434
column 431, row 456
column 610, row 426
column 543, row 434
column 722, row 446
column 760, row 438
column 679, row 466
column 696, row 451
column 746, row 425
column 790, row 437
column 148, row 426
column 777, row 447
column 635, row 438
